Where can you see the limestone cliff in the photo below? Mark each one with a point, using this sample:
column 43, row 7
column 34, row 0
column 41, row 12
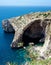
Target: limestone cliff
column 39, row 23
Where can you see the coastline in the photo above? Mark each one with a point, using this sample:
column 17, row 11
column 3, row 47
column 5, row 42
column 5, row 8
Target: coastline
column 21, row 23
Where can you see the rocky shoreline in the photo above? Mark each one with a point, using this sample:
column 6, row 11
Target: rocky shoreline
column 41, row 21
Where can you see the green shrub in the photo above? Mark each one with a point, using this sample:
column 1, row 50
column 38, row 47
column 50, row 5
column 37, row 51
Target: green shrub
column 11, row 63
column 40, row 62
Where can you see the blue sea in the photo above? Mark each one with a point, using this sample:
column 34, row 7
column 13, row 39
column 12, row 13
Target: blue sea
column 6, row 53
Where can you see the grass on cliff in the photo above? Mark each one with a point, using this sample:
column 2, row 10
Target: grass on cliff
column 32, row 55
column 31, row 58
column 40, row 62
column 11, row 63
column 35, row 62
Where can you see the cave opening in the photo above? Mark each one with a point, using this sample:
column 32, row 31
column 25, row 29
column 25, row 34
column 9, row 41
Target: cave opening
column 34, row 33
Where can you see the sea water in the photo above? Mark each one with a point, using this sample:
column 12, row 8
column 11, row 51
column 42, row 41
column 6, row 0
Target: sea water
column 6, row 53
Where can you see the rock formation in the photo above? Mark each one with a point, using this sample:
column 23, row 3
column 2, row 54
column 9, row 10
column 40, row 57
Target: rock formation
column 7, row 26
column 38, row 26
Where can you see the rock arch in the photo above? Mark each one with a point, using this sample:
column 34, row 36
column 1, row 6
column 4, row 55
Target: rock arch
column 36, row 22
column 33, row 32
column 20, row 24
column 41, row 27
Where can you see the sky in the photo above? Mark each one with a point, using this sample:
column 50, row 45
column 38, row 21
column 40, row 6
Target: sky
column 25, row 2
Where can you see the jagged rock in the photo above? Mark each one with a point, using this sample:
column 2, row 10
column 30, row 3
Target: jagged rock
column 37, row 25
column 7, row 26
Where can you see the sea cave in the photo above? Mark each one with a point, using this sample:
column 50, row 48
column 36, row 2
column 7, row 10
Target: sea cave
column 33, row 33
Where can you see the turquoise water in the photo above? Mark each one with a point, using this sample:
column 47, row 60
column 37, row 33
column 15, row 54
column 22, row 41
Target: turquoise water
column 6, row 53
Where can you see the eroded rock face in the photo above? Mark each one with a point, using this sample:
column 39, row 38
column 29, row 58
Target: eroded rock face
column 36, row 22
column 34, row 25
column 7, row 26
column 34, row 33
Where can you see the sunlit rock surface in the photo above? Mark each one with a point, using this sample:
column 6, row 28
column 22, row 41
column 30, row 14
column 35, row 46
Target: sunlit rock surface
column 38, row 24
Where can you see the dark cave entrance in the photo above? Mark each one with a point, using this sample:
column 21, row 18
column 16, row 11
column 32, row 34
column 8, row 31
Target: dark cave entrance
column 34, row 33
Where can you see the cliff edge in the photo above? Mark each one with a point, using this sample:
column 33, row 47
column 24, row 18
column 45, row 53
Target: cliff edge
column 37, row 24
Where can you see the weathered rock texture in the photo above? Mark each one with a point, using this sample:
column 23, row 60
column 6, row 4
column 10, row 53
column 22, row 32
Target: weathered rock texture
column 7, row 26
column 39, row 23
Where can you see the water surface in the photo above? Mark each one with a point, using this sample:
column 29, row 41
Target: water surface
column 6, row 53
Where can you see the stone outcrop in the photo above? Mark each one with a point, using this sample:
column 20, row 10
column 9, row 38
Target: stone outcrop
column 38, row 24
column 7, row 26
